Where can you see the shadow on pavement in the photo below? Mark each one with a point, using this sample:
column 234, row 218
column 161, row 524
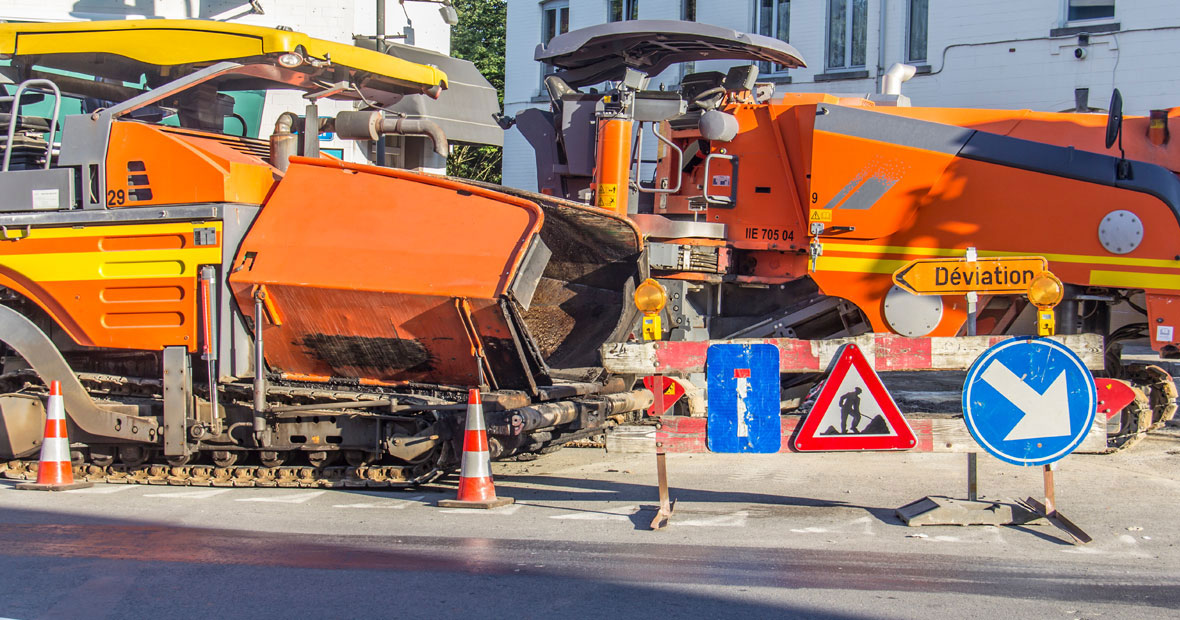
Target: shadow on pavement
column 120, row 568
column 135, row 569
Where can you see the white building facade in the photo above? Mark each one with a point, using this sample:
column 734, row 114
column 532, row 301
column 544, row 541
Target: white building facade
column 414, row 22
column 981, row 54
column 334, row 20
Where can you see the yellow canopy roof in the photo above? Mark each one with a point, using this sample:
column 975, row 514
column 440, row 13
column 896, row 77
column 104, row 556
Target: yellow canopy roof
column 175, row 42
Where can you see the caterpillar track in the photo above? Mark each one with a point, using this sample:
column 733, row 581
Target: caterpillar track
column 114, row 387
column 1154, row 405
column 376, row 476
column 100, row 464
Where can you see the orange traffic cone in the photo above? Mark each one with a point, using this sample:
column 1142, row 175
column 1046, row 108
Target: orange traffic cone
column 475, row 474
column 55, row 472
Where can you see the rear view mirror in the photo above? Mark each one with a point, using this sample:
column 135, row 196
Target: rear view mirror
column 1114, row 118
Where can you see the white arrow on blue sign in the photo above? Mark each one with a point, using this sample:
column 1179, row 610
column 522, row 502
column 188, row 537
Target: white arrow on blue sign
column 1029, row 401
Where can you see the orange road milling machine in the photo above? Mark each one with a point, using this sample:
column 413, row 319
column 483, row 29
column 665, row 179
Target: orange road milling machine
column 786, row 216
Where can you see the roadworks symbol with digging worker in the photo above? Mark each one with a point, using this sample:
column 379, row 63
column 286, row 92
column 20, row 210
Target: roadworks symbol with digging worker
column 853, row 411
column 850, row 412
column 856, row 416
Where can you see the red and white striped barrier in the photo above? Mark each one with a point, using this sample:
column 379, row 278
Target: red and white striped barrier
column 885, row 352
column 55, row 472
column 476, row 489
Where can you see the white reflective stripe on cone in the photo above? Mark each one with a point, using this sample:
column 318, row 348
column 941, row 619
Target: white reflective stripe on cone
column 55, row 449
column 475, row 418
column 56, row 410
column 476, row 465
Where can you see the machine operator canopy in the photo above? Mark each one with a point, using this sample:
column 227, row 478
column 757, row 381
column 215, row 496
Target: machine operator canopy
column 155, row 52
column 603, row 53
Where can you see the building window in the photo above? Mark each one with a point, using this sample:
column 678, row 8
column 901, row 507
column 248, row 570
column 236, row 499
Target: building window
column 847, row 32
column 1089, row 9
column 620, row 10
column 555, row 20
column 774, row 20
column 917, row 31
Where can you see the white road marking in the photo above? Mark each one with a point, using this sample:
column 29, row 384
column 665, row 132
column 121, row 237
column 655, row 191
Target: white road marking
column 616, row 514
column 1085, row 551
column 867, row 522
column 993, row 532
column 394, row 505
column 737, row 519
column 810, row 530
column 297, row 498
column 505, row 510
column 102, row 489
column 202, row 494
column 762, row 475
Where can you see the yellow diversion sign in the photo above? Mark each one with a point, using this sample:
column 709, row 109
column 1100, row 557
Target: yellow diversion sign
column 948, row 276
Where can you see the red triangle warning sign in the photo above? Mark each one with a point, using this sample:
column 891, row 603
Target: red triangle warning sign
column 853, row 411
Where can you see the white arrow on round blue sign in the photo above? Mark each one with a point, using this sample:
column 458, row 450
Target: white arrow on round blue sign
column 1029, row 401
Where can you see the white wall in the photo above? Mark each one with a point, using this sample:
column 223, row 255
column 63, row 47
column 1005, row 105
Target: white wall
column 992, row 54
column 333, row 20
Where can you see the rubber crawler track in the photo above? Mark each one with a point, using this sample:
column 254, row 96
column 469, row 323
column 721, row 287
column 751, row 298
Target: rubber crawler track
column 378, row 476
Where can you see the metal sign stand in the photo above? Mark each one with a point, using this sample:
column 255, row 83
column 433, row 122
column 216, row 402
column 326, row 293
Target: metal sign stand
column 972, row 476
column 667, row 505
column 1048, row 510
column 941, row 510
column 1003, row 367
column 972, row 315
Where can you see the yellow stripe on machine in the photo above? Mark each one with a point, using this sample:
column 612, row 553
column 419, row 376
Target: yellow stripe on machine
column 58, row 266
column 122, row 230
column 74, row 266
column 958, row 252
column 1134, row 279
column 858, row 265
column 1098, row 277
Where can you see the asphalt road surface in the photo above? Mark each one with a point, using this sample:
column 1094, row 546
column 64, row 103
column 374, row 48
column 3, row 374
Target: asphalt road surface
column 789, row 535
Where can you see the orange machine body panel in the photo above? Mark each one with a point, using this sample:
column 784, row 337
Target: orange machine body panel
column 157, row 165
column 368, row 268
column 127, row 286
column 892, row 184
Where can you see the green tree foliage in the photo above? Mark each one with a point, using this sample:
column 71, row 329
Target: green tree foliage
column 479, row 38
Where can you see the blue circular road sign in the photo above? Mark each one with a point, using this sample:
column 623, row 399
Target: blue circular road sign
column 1029, row 401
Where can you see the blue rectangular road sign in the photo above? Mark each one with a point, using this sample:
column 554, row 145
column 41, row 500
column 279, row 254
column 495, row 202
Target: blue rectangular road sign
column 743, row 381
